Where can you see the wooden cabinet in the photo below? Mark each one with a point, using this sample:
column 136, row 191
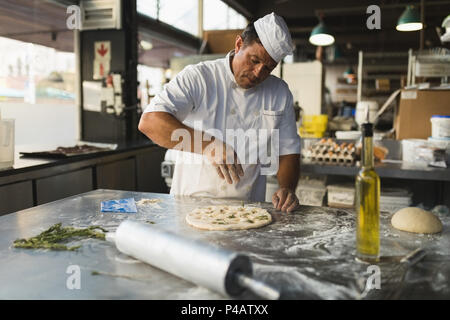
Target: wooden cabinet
column 63, row 185
column 134, row 169
column 16, row 196
column 118, row 175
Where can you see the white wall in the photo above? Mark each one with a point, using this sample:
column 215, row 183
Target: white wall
column 40, row 124
column 305, row 82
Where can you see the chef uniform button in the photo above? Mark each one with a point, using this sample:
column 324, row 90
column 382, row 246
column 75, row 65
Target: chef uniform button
column 233, row 111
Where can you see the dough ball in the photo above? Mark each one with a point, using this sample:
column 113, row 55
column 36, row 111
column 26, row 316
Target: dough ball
column 416, row 220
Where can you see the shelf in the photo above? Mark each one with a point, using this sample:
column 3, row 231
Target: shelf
column 381, row 55
column 384, row 170
column 401, row 68
column 384, row 76
column 370, row 71
column 376, row 93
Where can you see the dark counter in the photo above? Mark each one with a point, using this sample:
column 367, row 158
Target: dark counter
column 24, row 164
column 131, row 166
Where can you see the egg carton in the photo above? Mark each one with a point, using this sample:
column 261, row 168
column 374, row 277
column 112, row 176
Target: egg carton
column 328, row 152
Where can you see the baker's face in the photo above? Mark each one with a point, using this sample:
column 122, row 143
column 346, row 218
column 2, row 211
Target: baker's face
column 251, row 64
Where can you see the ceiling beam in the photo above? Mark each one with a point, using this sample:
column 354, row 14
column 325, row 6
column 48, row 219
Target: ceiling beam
column 168, row 33
column 246, row 8
column 362, row 9
column 63, row 3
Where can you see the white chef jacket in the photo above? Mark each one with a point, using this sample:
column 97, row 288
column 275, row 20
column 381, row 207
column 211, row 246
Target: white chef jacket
column 207, row 94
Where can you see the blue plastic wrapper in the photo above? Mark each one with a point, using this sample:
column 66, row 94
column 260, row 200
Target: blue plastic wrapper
column 121, row 205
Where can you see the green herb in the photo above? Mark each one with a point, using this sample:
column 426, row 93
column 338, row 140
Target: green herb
column 150, row 221
column 262, row 217
column 232, row 216
column 251, row 221
column 52, row 238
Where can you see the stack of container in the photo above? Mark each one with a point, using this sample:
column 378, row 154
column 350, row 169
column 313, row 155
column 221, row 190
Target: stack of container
column 313, row 126
column 440, row 134
column 394, row 199
column 341, row 195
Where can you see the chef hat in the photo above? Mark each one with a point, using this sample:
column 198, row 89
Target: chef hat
column 274, row 35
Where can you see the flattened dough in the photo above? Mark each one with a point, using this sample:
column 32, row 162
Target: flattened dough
column 228, row 218
column 144, row 201
column 416, row 220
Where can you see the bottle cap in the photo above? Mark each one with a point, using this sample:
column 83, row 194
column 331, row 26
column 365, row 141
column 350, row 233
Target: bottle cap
column 367, row 129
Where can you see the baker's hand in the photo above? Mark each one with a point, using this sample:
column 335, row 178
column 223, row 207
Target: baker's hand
column 284, row 199
column 225, row 159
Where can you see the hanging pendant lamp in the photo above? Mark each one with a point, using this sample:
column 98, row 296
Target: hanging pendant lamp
column 320, row 36
column 409, row 20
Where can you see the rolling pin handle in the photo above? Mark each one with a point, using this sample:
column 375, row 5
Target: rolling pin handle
column 110, row 237
column 414, row 257
column 257, row 287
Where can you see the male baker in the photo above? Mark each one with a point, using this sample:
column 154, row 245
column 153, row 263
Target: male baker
column 234, row 93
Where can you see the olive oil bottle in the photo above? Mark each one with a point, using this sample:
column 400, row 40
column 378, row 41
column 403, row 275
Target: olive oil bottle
column 367, row 202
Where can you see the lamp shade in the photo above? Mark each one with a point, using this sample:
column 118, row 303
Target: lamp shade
column 320, row 36
column 409, row 20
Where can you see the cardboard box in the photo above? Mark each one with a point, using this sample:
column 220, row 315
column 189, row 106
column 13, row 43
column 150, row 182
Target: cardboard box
column 221, row 41
column 382, row 84
column 416, row 107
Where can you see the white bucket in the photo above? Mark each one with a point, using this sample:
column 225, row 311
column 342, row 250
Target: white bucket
column 348, row 135
column 360, row 114
column 409, row 150
column 440, row 126
column 6, row 143
column 442, row 143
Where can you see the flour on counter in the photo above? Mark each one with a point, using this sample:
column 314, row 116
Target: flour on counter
column 145, row 201
column 127, row 260
column 149, row 202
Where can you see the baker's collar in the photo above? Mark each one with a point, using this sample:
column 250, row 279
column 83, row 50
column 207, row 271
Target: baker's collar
column 228, row 60
column 230, row 74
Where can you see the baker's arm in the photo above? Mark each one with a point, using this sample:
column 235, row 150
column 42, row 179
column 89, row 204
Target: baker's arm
column 160, row 126
column 284, row 198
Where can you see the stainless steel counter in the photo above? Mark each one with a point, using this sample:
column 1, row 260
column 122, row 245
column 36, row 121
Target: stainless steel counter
column 306, row 254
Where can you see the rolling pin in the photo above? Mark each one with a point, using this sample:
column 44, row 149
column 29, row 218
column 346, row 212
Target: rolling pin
column 215, row 268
